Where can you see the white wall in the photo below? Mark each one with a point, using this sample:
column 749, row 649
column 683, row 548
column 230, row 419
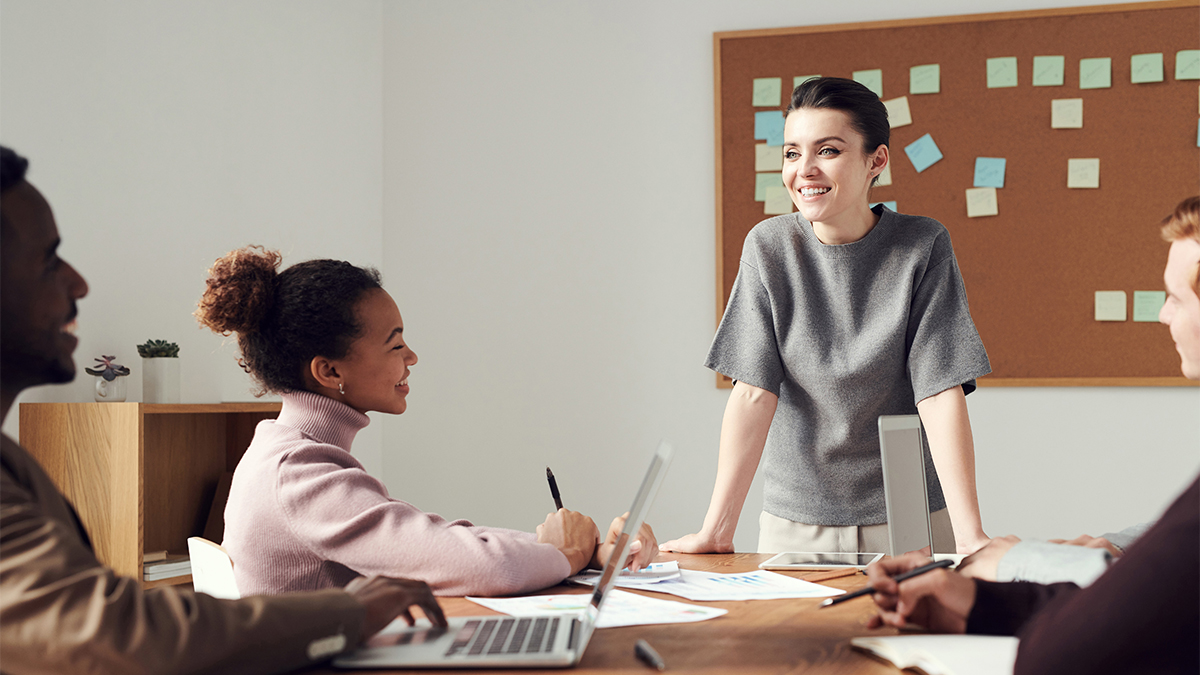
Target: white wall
column 166, row 134
column 496, row 159
column 548, row 211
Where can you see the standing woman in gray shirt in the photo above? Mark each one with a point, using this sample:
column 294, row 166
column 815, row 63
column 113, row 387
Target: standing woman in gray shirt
column 839, row 314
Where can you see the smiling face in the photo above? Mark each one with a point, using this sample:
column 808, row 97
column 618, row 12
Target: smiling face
column 1181, row 312
column 374, row 373
column 828, row 173
column 38, row 291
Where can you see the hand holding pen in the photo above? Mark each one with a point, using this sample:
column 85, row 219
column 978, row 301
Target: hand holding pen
column 939, row 600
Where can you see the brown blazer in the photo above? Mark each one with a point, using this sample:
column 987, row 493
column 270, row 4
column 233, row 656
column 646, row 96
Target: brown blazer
column 63, row 612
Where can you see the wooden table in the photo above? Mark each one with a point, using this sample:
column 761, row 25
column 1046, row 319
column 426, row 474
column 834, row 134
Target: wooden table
column 757, row 636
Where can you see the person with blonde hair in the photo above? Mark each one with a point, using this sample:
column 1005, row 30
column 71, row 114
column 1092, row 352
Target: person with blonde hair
column 1140, row 616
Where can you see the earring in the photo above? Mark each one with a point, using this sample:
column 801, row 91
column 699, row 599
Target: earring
column 341, row 389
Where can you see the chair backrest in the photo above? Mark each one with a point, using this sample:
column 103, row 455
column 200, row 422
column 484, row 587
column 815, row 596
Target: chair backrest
column 212, row 569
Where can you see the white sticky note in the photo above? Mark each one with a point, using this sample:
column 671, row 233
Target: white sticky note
column 885, row 176
column 871, row 79
column 768, row 157
column 1066, row 113
column 1083, row 173
column 898, row 113
column 1110, row 305
column 982, row 202
column 778, row 201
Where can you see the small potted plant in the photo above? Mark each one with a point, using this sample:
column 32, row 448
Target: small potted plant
column 160, row 371
column 110, row 385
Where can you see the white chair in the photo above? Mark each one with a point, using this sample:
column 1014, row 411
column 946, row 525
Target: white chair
column 212, row 569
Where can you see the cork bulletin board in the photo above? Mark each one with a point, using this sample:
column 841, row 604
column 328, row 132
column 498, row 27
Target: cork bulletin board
column 1032, row 270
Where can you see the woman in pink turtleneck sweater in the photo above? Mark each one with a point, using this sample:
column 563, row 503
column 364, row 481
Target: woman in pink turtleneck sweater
column 303, row 513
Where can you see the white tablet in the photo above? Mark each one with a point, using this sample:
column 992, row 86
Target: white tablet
column 810, row 561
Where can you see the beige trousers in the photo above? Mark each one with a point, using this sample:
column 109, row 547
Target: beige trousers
column 776, row 535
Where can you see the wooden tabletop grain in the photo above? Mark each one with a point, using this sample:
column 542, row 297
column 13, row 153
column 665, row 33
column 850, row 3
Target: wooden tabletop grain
column 755, row 637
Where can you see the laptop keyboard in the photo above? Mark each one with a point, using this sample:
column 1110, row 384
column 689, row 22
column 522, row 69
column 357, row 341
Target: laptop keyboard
column 488, row 637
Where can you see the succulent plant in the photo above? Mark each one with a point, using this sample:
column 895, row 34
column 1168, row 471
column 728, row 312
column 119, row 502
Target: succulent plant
column 157, row 349
column 107, row 369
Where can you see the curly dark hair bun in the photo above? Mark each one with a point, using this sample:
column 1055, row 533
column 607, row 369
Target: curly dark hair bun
column 240, row 290
column 284, row 319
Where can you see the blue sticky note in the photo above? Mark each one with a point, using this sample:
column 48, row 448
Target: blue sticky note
column 891, row 206
column 923, row 153
column 768, row 126
column 989, row 172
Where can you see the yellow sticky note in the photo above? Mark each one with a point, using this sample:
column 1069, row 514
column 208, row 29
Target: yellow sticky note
column 898, row 113
column 1110, row 305
column 768, row 157
column 982, row 202
column 885, row 176
column 778, row 201
column 1083, row 173
column 1066, row 113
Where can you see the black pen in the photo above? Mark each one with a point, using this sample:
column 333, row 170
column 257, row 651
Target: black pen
column 647, row 655
column 553, row 488
column 899, row 577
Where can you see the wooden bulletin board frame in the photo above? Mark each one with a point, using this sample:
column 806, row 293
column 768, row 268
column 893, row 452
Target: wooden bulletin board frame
column 1031, row 272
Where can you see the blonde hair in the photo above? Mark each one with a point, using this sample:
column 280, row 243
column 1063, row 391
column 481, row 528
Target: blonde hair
column 1184, row 223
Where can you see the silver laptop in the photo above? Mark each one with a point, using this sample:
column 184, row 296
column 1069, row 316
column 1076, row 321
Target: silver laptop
column 902, row 451
column 554, row 641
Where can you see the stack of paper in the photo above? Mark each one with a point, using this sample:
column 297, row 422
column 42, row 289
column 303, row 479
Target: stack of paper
column 172, row 566
column 945, row 654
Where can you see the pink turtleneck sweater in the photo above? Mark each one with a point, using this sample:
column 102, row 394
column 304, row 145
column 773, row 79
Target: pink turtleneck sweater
column 303, row 514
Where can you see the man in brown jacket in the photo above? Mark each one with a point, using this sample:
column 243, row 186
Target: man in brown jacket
column 63, row 612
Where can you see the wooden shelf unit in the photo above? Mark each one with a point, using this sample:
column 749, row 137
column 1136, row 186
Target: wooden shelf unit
column 142, row 476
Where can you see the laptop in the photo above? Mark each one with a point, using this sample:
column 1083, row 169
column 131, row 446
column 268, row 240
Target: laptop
column 902, row 452
column 554, row 641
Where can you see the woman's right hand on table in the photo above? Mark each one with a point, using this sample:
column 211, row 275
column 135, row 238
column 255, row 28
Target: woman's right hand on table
column 573, row 533
column 699, row 542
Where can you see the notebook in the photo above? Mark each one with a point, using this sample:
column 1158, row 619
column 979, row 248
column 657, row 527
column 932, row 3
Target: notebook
column 944, row 654
column 552, row 641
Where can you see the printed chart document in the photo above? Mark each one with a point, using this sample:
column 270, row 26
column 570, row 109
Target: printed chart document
column 643, row 578
column 945, row 654
column 756, row 585
column 620, row 608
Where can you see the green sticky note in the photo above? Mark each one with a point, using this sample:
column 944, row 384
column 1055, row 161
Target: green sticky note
column 1147, row 304
column 1095, row 73
column 797, row 81
column 1144, row 68
column 767, row 91
column 871, row 79
column 925, row 79
column 1187, row 64
column 1002, row 72
column 762, row 181
column 1048, row 71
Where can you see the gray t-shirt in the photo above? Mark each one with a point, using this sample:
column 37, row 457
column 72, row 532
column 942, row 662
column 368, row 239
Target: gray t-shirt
column 844, row 334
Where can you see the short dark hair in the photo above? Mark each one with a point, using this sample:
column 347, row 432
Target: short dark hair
column 12, row 168
column 283, row 320
column 867, row 113
column 12, row 172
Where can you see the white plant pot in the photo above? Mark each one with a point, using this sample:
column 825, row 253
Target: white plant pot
column 110, row 391
column 160, row 380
